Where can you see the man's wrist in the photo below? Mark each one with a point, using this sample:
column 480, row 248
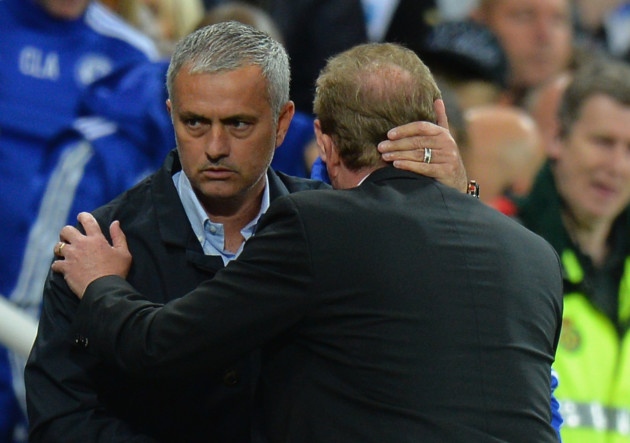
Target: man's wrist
column 473, row 188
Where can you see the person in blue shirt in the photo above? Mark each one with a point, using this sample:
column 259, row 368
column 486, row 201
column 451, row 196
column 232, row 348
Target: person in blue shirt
column 50, row 51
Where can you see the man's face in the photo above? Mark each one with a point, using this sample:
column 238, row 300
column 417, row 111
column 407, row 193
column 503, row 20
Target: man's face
column 536, row 35
column 65, row 9
column 593, row 161
column 226, row 133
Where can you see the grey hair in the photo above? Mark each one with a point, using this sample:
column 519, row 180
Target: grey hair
column 231, row 45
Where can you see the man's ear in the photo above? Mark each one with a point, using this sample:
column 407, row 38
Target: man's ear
column 284, row 121
column 169, row 106
column 327, row 151
column 554, row 147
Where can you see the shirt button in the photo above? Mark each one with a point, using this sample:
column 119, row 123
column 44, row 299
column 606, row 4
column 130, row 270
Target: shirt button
column 213, row 229
column 230, row 378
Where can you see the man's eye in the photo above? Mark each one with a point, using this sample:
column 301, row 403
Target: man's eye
column 240, row 124
column 192, row 122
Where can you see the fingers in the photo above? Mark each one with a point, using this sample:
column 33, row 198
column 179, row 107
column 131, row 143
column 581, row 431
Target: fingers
column 413, row 148
column 58, row 266
column 58, row 250
column 421, row 155
column 68, row 234
column 440, row 113
column 414, row 129
column 419, row 128
column 89, row 223
column 119, row 239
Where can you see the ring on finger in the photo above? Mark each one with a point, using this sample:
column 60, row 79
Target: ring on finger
column 427, row 155
column 60, row 246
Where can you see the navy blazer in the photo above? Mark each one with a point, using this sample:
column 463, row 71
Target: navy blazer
column 397, row 311
column 74, row 397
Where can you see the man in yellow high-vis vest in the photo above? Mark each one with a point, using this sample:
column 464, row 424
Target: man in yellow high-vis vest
column 580, row 204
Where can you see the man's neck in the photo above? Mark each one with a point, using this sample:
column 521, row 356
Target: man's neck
column 591, row 239
column 235, row 213
column 233, row 222
column 351, row 179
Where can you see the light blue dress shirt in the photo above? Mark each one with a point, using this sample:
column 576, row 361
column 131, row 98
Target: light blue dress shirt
column 211, row 235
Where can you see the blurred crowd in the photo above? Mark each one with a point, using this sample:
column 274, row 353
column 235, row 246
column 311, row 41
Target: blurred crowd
column 538, row 98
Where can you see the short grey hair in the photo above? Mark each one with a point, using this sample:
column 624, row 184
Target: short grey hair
column 231, row 45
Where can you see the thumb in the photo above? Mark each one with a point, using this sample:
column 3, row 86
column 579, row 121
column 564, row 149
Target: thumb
column 119, row 239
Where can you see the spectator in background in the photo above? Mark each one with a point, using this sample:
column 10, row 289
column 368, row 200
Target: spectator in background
column 501, row 144
column 603, row 26
column 165, row 21
column 468, row 58
column 455, row 10
column 315, row 30
column 174, row 20
column 504, row 150
column 51, row 51
column 580, row 204
column 537, row 36
column 542, row 103
column 402, row 21
column 242, row 12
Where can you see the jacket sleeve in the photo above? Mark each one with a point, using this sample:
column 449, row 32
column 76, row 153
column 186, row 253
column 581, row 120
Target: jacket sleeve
column 62, row 399
column 252, row 300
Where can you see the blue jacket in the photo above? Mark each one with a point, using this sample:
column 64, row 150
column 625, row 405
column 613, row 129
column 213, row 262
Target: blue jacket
column 45, row 66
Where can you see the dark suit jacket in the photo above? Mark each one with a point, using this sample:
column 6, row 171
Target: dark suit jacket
column 398, row 311
column 73, row 397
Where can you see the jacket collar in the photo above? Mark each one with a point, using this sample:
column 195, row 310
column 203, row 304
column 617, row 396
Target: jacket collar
column 390, row 172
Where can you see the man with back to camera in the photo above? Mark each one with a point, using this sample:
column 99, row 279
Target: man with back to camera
column 358, row 345
column 183, row 224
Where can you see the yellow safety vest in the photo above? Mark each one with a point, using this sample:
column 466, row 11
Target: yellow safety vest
column 593, row 366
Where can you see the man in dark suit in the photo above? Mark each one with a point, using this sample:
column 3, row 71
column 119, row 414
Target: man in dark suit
column 396, row 309
column 183, row 224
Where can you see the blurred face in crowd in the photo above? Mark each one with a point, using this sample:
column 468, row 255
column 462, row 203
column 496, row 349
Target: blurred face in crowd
column 226, row 134
column 65, row 9
column 163, row 17
column 536, row 35
column 592, row 161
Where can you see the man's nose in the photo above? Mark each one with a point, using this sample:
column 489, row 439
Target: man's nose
column 217, row 143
